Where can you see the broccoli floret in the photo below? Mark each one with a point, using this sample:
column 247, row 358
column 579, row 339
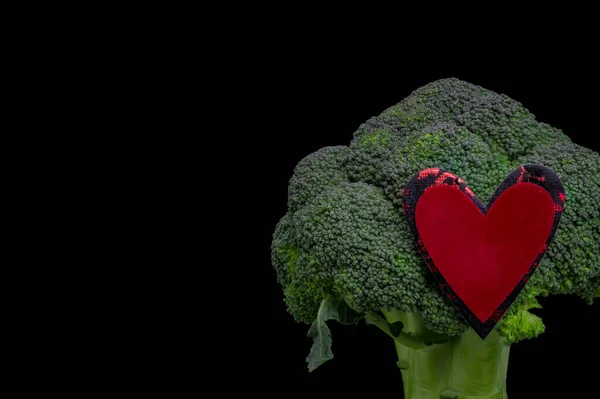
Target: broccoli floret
column 518, row 323
column 572, row 263
column 317, row 172
column 345, row 237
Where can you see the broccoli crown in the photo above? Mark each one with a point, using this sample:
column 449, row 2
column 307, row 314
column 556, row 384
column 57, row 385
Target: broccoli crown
column 345, row 235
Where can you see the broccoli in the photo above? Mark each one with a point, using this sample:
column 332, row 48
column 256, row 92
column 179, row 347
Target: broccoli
column 344, row 251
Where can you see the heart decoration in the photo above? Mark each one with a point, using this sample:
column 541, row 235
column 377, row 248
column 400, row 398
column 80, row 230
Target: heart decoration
column 483, row 256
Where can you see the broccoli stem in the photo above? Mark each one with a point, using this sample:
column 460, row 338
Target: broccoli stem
column 464, row 367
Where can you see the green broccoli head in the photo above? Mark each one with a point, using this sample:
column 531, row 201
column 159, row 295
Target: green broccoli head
column 345, row 236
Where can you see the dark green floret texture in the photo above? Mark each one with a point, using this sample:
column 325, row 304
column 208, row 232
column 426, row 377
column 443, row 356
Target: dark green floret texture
column 345, row 238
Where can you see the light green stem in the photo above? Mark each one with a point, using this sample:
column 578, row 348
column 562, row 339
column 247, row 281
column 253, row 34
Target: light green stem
column 465, row 367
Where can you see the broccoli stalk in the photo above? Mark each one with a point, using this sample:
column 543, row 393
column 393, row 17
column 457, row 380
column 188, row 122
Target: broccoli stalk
column 464, row 367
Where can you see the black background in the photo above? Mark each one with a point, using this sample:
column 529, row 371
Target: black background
column 307, row 98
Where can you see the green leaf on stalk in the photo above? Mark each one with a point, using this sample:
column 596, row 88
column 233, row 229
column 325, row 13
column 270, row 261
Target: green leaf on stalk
column 337, row 310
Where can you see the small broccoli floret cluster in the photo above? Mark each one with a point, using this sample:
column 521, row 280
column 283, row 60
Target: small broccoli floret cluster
column 518, row 323
column 316, row 173
column 345, row 236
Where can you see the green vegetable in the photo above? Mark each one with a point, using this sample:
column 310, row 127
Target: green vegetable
column 345, row 240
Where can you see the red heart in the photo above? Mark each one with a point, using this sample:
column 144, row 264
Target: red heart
column 481, row 256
